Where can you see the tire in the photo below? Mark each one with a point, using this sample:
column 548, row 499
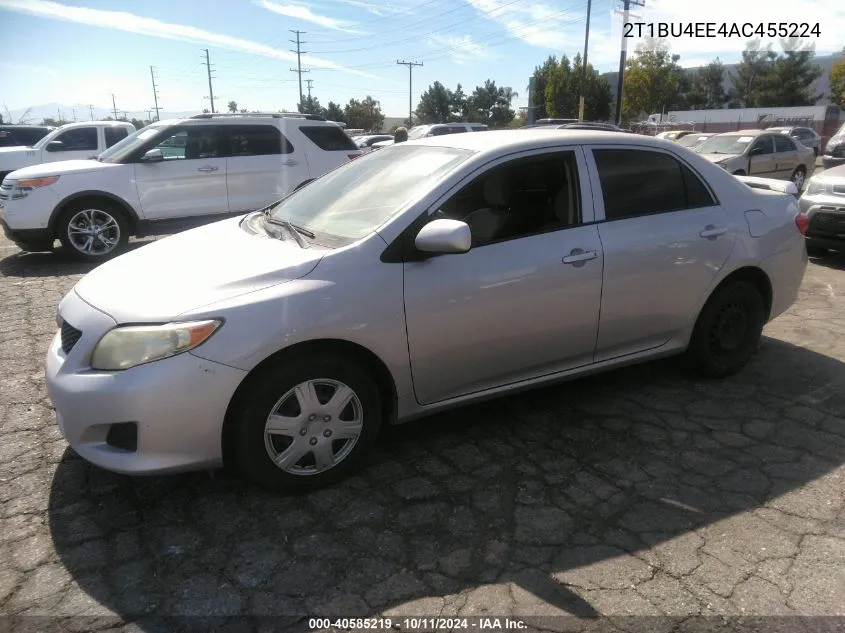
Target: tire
column 101, row 213
column 739, row 172
column 798, row 177
column 272, row 391
column 738, row 304
column 817, row 251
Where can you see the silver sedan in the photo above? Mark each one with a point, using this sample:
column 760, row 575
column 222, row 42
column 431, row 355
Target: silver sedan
column 424, row 276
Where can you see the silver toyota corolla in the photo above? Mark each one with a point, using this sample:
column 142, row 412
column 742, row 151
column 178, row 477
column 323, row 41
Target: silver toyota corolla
column 423, row 276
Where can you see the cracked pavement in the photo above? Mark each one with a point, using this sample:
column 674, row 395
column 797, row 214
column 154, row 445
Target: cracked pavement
column 641, row 492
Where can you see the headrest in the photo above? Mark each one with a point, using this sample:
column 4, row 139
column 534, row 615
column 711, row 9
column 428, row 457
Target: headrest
column 497, row 189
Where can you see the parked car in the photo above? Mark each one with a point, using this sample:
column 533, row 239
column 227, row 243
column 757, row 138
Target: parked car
column 693, row 140
column 824, row 204
column 435, row 129
column 553, row 121
column 68, row 142
column 674, row 135
column 760, row 153
column 366, row 141
column 589, row 125
column 834, row 151
column 424, row 276
column 23, row 135
column 196, row 168
column 804, row 135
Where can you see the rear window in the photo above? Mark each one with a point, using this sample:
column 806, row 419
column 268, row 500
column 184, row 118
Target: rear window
column 328, row 137
column 115, row 134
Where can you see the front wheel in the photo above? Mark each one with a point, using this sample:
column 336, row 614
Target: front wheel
column 93, row 230
column 798, row 177
column 306, row 423
column 728, row 330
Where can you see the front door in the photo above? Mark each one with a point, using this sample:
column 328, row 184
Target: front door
column 262, row 167
column 665, row 239
column 524, row 301
column 190, row 181
column 78, row 143
column 761, row 157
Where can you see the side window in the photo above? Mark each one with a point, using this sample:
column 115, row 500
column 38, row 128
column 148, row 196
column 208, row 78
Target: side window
column 519, row 198
column 257, row 140
column 191, row 143
column 440, row 131
column 763, row 146
column 79, row 139
column 784, row 144
column 115, row 134
column 328, row 137
column 639, row 182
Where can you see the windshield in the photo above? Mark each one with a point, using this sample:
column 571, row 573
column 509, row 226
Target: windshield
column 418, row 132
column 692, row 139
column 840, row 131
column 733, row 144
column 125, row 147
column 355, row 199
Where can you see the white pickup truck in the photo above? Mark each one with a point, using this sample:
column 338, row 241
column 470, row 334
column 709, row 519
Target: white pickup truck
column 73, row 141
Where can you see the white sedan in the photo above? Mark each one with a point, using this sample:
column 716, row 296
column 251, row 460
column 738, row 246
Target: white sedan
column 423, row 276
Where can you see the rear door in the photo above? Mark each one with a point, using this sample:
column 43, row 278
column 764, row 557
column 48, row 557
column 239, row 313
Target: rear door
column 78, row 143
column 327, row 147
column 786, row 156
column 665, row 238
column 262, row 165
column 190, row 181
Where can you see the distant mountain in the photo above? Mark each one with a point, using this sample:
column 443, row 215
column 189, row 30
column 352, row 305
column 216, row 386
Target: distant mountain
column 821, row 85
column 82, row 112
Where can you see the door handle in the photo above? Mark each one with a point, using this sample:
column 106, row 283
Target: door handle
column 579, row 255
column 713, row 231
column 208, row 169
column 289, row 163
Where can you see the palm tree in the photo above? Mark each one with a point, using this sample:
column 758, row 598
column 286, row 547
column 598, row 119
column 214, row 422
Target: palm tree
column 233, row 106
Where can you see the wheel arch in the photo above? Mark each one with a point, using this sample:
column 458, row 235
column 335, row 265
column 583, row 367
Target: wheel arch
column 755, row 276
column 131, row 216
column 375, row 366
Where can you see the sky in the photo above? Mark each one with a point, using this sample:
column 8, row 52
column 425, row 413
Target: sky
column 89, row 50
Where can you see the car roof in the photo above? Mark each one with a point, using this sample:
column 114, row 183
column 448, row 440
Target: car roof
column 495, row 140
column 746, row 133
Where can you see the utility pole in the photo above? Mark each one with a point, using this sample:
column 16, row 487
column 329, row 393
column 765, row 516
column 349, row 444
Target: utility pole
column 150, row 114
column 410, row 66
column 73, row 110
column 584, row 64
column 114, row 106
column 155, row 93
column 91, row 110
column 620, row 80
column 207, row 64
column 309, row 82
column 298, row 70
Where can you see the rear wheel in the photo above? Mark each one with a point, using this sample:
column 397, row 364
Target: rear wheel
column 306, row 423
column 798, row 177
column 728, row 330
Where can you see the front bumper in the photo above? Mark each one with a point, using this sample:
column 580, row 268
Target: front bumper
column 826, row 213
column 832, row 161
column 177, row 405
column 28, row 239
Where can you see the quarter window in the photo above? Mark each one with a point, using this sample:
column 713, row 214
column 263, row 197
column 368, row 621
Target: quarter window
column 257, row 140
column 328, row 137
column 639, row 182
column 115, row 134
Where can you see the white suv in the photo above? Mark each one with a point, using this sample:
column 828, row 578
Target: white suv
column 187, row 169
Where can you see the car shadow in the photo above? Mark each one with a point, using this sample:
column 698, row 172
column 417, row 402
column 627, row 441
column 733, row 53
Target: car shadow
column 831, row 259
column 59, row 262
column 525, row 492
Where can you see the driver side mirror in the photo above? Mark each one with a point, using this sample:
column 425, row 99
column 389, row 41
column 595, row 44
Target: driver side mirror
column 152, row 156
column 55, row 146
column 444, row 236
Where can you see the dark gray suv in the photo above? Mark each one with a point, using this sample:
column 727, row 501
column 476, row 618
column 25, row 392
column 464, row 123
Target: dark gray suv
column 834, row 151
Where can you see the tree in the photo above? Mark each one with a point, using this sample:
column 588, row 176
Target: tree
column 751, row 76
column 364, row 115
column 335, row 113
column 706, row 87
column 233, row 106
column 244, row 110
column 205, row 110
column 563, row 91
column 310, row 105
column 790, row 79
column 460, row 104
column 653, row 80
column 54, row 122
column 837, row 81
column 435, row 105
column 541, row 78
column 491, row 104
column 138, row 123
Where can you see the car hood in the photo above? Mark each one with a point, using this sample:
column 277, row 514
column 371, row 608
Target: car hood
column 63, row 167
column 718, row 158
column 161, row 280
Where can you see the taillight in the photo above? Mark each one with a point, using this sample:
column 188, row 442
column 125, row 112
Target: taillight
column 802, row 222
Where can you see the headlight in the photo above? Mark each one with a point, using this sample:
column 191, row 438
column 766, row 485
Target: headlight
column 131, row 345
column 815, row 186
column 21, row 188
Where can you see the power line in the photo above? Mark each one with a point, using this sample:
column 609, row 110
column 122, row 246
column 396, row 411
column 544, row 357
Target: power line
column 410, row 66
column 155, row 93
column 622, row 54
column 298, row 70
column 207, row 64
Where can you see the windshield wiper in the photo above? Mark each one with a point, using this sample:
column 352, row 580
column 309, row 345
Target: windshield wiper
column 296, row 231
